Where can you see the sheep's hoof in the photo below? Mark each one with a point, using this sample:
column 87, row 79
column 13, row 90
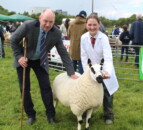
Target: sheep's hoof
column 87, row 128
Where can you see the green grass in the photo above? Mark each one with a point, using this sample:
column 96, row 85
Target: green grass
column 128, row 104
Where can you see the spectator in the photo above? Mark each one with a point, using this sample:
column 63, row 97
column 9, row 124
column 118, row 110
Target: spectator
column 115, row 30
column 2, row 41
column 9, row 27
column 42, row 35
column 76, row 29
column 125, row 39
column 95, row 46
column 106, row 32
column 136, row 33
column 1, row 28
column 64, row 29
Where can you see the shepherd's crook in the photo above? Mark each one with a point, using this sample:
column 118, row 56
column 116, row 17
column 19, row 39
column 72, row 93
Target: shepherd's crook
column 23, row 84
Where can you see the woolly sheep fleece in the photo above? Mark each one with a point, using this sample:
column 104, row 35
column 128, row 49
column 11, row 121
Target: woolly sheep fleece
column 80, row 94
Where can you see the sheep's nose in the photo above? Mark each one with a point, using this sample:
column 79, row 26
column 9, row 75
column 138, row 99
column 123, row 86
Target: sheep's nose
column 99, row 79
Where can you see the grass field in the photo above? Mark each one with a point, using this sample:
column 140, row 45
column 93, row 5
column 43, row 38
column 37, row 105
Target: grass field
column 128, row 104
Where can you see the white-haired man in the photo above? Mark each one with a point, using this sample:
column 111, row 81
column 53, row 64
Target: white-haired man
column 136, row 33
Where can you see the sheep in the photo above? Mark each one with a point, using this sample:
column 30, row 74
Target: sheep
column 82, row 94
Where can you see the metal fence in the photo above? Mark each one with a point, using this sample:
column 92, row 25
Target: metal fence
column 125, row 70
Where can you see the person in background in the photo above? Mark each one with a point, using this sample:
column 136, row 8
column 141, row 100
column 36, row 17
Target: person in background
column 125, row 39
column 64, row 29
column 41, row 36
column 13, row 29
column 2, row 41
column 77, row 27
column 9, row 26
column 136, row 33
column 96, row 48
column 102, row 28
column 2, row 28
column 115, row 30
column 106, row 32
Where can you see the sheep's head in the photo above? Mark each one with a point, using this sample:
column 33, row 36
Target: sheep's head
column 96, row 74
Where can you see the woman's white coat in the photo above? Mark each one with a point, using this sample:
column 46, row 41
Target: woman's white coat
column 101, row 50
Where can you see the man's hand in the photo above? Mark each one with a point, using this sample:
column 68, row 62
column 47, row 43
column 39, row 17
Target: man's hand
column 74, row 76
column 23, row 62
column 105, row 75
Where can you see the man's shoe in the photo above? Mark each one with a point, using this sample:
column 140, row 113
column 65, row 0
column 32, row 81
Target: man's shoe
column 52, row 120
column 108, row 122
column 31, row 120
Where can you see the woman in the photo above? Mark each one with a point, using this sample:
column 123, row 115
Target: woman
column 64, row 29
column 125, row 38
column 96, row 52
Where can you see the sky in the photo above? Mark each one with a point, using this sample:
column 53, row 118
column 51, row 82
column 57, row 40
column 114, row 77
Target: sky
column 111, row 9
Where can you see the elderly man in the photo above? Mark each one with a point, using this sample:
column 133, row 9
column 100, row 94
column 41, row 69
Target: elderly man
column 136, row 33
column 41, row 36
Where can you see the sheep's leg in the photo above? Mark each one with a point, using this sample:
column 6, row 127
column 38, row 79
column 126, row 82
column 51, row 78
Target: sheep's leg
column 88, row 116
column 79, row 119
column 56, row 103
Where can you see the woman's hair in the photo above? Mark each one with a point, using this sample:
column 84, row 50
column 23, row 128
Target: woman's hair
column 93, row 16
column 67, row 23
column 125, row 27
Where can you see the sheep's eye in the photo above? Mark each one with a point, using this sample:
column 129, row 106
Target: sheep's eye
column 92, row 70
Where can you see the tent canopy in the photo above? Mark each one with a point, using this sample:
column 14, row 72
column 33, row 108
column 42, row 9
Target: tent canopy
column 19, row 17
column 4, row 17
column 15, row 17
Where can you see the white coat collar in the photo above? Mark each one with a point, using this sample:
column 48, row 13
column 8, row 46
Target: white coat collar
column 98, row 35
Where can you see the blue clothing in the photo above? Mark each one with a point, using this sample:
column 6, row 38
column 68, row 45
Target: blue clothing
column 115, row 31
column 136, row 32
column 36, row 55
column 125, row 37
column 77, row 63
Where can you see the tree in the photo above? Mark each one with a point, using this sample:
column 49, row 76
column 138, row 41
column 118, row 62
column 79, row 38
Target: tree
column 26, row 13
column 11, row 13
column 59, row 18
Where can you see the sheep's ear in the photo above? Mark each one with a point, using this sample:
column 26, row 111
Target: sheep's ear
column 102, row 62
column 89, row 63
